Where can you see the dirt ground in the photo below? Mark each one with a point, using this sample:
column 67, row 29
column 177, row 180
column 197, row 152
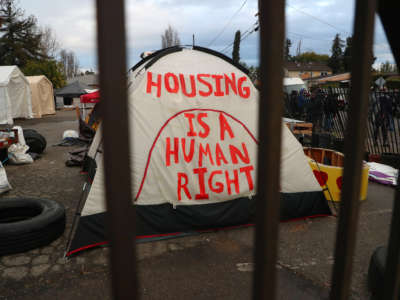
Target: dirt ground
column 208, row 266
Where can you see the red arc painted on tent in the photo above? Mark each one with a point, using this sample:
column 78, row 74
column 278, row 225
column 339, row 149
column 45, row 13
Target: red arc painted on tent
column 321, row 177
column 167, row 122
column 339, row 182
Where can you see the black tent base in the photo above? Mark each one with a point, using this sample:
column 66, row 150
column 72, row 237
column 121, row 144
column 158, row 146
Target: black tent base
column 155, row 222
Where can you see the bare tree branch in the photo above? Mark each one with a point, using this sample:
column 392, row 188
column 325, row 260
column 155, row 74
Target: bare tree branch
column 170, row 38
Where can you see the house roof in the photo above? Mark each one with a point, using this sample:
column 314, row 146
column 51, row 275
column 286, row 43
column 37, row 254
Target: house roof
column 304, row 67
column 336, row 77
column 75, row 89
column 88, row 79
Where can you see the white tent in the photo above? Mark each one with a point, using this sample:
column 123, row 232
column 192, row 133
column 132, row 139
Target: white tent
column 15, row 95
column 42, row 96
column 194, row 151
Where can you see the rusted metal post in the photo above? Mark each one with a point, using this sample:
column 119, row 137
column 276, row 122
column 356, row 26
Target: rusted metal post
column 272, row 31
column 354, row 148
column 121, row 217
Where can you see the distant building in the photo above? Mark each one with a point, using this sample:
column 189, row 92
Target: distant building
column 307, row 70
column 342, row 78
column 90, row 80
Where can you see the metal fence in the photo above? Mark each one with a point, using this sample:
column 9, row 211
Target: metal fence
column 328, row 108
column 112, row 67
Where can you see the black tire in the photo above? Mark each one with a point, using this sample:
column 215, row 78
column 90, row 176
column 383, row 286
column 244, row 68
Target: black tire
column 376, row 270
column 34, row 133
column 36, row 142
column 29, row 130
column 27, row 223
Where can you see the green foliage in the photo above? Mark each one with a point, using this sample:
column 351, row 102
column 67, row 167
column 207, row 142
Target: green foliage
column 336, row 59
column 20, row 39
column 393, row 83
column 387, row 67
column 52, row 69
column 330, row 84
column 253, row 71
column 236, row 48
column 311, row 56
column 347, row 56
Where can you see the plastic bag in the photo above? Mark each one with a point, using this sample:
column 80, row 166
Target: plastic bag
column 17, row 154
column 4, row 184
column 21, row 138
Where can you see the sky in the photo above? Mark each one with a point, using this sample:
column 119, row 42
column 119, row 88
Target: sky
column 312, row 24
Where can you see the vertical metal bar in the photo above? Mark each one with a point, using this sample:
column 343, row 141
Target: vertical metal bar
column 112, row 68
column 370, row 136
column 272, row 31
column 392, row 271
column 392, row 123
column 354, row 148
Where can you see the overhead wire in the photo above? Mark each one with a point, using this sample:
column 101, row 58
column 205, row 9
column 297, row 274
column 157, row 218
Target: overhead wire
column 227, row 24
column 307, row 37
column 318, row 19
column 254, row 28
column 245, row 34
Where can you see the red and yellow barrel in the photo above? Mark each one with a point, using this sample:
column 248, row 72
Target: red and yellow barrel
column 327, row 166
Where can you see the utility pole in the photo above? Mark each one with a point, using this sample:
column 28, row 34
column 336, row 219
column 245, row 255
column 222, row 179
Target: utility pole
column 298, row 52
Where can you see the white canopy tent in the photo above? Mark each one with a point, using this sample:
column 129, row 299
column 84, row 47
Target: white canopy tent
column 15, row 95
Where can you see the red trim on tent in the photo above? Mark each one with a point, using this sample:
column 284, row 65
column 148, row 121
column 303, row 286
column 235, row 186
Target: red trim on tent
column 86, row 247
column 166, row 123
column 199, row 231
column 308, row 217
column 226, row 228
column 91, row 97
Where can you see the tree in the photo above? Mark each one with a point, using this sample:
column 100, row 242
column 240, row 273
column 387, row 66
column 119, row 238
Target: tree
column 336, row 59
column 236, row 48
column 286, row 53
column 70, row 63
column 170, row 38
column 347, row 54
column 254, row 72
column 52, row 69
column 20, row 39
column 311, row 56
column 387, row 67
column 48, row 42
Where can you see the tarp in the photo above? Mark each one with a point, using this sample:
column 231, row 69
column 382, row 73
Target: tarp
column 194, row 151
column 91, row 97
column 15, row 95
column 42, row 96
column 383, row 173
column 72, row 90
